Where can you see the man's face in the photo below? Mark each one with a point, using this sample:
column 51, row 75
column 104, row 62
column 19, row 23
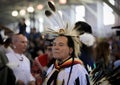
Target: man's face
column 60, row 48
column 21, row 43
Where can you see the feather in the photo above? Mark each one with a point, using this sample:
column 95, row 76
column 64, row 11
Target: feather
column 87, row 39
column 106, row 78
column 51, row 5
column 56, row 15
column 55, row 19
column 89, row 68
column 58, row 25
column 77, row 46
column 48, row 13
column 48, row 26
column 51, row 20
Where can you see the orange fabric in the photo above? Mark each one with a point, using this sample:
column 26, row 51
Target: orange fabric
column 67, row 63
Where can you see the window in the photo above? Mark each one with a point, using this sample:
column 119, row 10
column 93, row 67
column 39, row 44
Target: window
column 80, row 13
column 108, row 15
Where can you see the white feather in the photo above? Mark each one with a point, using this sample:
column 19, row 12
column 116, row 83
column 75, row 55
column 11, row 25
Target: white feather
column 87, row 39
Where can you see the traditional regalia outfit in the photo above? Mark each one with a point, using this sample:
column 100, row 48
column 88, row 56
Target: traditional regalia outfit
column 71, row 71
column 63, row 75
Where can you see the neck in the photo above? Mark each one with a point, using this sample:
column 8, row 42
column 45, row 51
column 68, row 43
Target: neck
column 60, row 61
column 18, row 52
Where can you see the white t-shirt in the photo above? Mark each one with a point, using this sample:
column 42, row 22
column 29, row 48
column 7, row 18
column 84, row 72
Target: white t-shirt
column 20, row 66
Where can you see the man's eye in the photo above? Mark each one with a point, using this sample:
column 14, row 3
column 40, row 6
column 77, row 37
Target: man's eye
column 61, row 45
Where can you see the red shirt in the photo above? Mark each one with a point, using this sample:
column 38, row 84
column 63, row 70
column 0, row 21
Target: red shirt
column 43, row 59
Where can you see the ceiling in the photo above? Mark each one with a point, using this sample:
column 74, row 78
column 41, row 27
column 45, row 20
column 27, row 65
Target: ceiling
column 7, row 6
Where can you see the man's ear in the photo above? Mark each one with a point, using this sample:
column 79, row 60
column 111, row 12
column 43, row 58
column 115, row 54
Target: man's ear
column 70, row 51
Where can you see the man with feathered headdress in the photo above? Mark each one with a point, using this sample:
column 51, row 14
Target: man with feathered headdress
column 68, row 69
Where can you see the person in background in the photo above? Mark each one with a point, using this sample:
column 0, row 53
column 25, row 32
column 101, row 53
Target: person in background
column 6, row 47
column 7, row 76
column 18, row 62
column 102, row 54
column 116, row 54
column 42, row 63
column 22, row 26
column 102, row 60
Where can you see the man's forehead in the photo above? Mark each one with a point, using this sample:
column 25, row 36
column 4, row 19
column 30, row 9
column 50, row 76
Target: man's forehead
column 60, row 39
column 22, row 39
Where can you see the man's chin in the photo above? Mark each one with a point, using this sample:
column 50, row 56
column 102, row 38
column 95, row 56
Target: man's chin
column 56, row 57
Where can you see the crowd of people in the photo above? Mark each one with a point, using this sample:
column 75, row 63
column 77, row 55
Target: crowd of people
column 28, row 65
column 72, row 57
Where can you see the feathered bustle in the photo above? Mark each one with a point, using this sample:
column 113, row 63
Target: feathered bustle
column 102, row 77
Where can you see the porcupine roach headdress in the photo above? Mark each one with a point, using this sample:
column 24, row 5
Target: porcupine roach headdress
column 59, row 26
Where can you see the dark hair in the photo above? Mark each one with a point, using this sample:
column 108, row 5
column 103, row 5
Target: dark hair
column 83, row 26
column 7, row 42
column 102, row 51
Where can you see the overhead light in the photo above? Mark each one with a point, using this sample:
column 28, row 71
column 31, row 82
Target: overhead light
column 62, row 1
column 14, row 13
column 30, row 9
column 22, row 12
column 40, row 7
